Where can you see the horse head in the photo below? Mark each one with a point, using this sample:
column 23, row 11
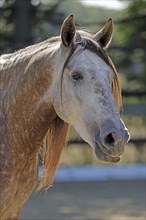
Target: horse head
column 87, row 93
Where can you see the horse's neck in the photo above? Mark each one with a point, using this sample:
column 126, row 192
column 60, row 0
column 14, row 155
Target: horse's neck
column 26, row 110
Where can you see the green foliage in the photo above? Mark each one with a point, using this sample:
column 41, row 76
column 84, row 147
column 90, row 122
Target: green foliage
column 45, row 19
column 131, row 38
column 92, row 16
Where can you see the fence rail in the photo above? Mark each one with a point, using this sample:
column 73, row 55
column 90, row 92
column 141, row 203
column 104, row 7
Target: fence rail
column 138, row 109
column 138, row 94
column 138, row 141
column 134, row 109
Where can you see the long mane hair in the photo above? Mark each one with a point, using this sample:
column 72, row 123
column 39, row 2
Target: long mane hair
column 53, row 144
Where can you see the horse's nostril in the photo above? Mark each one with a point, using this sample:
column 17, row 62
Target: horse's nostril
column 109, row 139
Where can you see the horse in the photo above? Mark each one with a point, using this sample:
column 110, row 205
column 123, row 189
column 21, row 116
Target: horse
column 67, row 80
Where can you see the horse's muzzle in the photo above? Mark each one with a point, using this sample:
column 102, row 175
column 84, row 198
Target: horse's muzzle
column 110, row 143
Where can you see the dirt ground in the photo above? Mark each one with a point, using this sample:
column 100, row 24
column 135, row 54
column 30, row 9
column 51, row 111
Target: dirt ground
column 107, row 200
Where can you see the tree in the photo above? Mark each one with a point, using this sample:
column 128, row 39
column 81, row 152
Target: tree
column 131, row 44
column 23, row 21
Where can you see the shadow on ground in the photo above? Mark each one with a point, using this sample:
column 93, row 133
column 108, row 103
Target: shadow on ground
column 107, row 200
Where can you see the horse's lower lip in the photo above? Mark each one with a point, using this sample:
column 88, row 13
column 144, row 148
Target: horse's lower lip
column 105, row 157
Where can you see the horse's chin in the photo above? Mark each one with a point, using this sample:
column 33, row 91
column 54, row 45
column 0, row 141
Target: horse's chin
column 105, row 157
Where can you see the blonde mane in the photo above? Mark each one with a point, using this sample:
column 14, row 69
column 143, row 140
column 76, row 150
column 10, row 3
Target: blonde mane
column 53, row 144
column 116, row 87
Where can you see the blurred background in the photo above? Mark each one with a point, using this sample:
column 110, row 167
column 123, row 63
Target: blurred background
column 26, row 22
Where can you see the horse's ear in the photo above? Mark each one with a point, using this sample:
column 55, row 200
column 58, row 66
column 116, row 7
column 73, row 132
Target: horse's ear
column 68, row 31
column 104, row 36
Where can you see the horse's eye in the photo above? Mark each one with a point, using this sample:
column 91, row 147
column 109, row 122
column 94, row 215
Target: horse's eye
column 77, row 76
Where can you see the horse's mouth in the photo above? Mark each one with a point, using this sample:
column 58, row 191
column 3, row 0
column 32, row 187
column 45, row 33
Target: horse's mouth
column 105, row 157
